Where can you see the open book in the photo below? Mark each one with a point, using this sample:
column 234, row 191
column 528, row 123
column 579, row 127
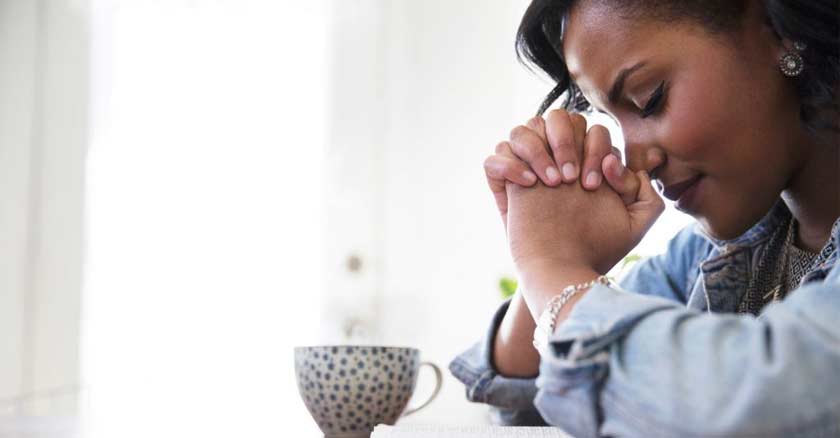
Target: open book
column 383, row 431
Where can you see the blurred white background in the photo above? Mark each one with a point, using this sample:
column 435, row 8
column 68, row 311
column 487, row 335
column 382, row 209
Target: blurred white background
column 185, row 184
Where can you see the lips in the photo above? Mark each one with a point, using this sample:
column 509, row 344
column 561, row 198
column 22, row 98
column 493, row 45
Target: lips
column 674, row 191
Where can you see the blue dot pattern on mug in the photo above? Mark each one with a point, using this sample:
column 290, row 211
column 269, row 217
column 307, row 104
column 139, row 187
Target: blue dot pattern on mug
column 353, row 388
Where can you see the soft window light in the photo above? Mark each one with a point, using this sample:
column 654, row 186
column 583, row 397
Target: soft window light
column 205, row 245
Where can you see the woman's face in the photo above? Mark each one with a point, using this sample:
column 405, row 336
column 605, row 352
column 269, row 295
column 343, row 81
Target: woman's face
column 695, row 104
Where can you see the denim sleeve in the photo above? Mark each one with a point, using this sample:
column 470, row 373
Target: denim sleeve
column 625, row 364
column 511, row 399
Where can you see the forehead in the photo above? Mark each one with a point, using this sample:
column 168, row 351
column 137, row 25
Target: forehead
column 598, row 42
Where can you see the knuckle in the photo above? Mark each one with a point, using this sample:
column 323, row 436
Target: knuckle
column 558, row 112
column 579, row 125
column 491, row 166
column 566, row 149
column 536, row 121
column 595, row 152
column 530, row 149
column 599, row 130
column 598, row 141
column 519, row 132
column 578, row 119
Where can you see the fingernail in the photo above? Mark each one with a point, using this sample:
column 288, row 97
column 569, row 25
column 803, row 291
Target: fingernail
column 529, row 176
column 593, row 179
column 552, row 173
column 569, row 171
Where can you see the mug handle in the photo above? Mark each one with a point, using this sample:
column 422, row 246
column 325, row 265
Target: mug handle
column 439, row 377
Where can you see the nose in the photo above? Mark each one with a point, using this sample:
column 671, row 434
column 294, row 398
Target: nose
column 647, row 157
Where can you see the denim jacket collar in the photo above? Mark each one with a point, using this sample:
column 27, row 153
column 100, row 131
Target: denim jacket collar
column 727, row 270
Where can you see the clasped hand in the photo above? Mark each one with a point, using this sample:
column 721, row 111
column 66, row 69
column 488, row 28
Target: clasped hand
column 555, row 213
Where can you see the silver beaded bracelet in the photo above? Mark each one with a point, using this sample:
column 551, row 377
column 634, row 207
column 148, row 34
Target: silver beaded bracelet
column 548, row 318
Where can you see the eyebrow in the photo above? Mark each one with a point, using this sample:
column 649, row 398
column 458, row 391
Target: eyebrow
column 618, row 84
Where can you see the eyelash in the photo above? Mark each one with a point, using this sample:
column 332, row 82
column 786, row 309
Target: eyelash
column 655, row 101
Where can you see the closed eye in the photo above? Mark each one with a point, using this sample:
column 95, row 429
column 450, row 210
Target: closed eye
column 654, row 102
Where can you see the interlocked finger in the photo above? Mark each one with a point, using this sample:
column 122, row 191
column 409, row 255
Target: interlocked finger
column 560, row 131
column 503, row 167
column 579, row 125
column 596, row 147
column 529, row 147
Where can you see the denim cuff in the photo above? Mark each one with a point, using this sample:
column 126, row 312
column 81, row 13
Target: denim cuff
column 599, row 319
column 575, row 367
column 475, row 369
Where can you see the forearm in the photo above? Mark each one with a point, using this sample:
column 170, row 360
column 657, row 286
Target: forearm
column 513, row 352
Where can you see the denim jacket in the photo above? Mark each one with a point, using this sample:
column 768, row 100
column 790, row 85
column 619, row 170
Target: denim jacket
column 665, row 354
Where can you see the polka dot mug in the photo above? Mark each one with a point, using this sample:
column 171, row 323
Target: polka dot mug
column 350, row 389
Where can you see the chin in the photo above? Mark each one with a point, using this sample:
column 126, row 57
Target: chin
column 722, row 230
column 735, row 212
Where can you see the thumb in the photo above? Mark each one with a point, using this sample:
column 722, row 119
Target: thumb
column 647, row 208
column 624, row 182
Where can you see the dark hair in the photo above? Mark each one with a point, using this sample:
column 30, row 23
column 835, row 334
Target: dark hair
column 814, row 22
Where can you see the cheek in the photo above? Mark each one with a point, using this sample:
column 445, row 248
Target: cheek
column 694, row 127
column 722, row 119
column 712, row 127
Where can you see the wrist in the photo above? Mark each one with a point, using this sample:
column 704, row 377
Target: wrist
column 543, row 283
column 551, row 317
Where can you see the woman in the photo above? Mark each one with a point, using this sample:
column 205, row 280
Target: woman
column 731, row 108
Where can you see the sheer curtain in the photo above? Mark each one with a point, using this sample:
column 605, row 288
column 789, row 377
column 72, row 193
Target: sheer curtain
column 205, row 216
column 43, row 139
